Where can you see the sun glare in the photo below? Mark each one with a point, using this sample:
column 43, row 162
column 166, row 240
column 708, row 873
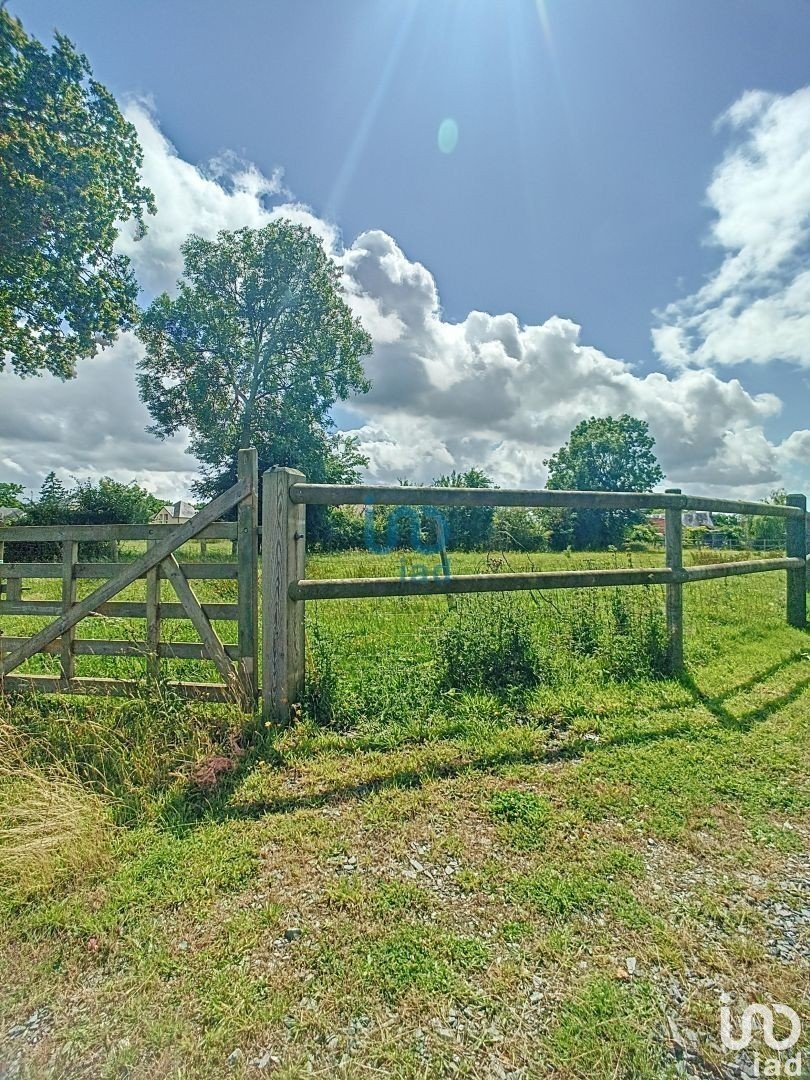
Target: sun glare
column 542, row 14
column 448, row 135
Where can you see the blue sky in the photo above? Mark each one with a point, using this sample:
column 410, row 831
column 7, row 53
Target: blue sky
column 578, row 187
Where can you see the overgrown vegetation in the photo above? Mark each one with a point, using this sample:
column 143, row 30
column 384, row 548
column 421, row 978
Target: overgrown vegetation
column 487, row 644
column 53, row 829
column 498, row 644
column 416, row 879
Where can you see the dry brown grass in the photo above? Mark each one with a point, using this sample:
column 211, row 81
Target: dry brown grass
column 52, row 828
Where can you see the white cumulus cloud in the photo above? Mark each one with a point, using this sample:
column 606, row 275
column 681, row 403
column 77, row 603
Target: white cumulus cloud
column 491, row 392
column 487, row 391
column 756, row 305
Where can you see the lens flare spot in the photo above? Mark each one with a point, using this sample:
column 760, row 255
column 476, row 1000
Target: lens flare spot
column 448, row 135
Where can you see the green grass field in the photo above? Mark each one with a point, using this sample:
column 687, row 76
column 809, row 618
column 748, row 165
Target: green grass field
column 428, row 873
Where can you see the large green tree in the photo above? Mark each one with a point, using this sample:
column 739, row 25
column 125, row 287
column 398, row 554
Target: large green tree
column 69, row 176
column 602, row 454
column 254, row 350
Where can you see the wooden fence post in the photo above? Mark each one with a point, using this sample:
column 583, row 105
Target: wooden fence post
column 153, row 619
column 796, row 548
column 13, row 586
column 70, row 556
column 283, row 552
column 247, row 553
column 673, row 544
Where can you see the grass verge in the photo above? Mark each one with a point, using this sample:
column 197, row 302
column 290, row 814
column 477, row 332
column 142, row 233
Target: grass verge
column 556, row 881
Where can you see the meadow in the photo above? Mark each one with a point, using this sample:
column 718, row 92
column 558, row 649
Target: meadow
column 495, row 842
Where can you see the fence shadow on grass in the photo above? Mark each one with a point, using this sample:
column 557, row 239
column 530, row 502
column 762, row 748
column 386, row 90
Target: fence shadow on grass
column 746, row 720
column 393, row 773
column 717, row 704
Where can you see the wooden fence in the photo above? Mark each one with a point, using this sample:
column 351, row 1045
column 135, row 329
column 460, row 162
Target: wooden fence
column 236, row 662
column 286, row 590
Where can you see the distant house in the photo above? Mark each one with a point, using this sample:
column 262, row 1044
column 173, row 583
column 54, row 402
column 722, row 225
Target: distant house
column 10, row 514
column 177, row 514
column 697, row 519
column 692, row 519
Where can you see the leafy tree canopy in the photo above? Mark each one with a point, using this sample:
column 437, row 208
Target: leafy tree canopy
column 11, row 495
column 469, row 528
column 606, row 453
column 254, row 351
column 107, row 502
column 602, row 454
column 69, row 175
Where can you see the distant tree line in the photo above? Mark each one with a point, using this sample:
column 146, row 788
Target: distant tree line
column 105, row 502
column 602, row 454
column 595, row 457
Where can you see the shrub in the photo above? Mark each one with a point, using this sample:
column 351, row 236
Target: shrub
column 341, row 528
column 105, row 503
column 639, row 537
column 519, row 529
column 624, row 632
column 486, row 644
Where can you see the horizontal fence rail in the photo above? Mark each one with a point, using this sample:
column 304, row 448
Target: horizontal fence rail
column 359, row 588
column 56, row 534
column 378, row 495
column 169, row 650
column 119, row 609
column 286, row 589
column 100, row 570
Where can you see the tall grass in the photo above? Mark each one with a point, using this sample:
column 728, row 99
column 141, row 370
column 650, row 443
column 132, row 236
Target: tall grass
column 52, row 827
column 487, row 643
column 412, row 665
column 141, row 753
column 622, row 631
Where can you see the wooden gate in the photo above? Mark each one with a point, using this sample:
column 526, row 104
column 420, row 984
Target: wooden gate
column 237, row 664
